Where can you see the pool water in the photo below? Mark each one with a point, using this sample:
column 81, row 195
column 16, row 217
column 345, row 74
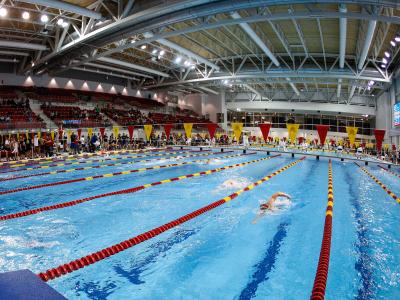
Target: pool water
column 219, row 254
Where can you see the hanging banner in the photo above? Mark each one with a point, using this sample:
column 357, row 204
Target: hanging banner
column 52, row 135
column 292, row 130
column 102, row 131
column 265, row 130
column 188, row 129
column 379, row 136
column 17, row 136
column 322, row 132
column 90, row 131
column 300, row 139
column 39, row 134
column 69, row 133
column 60, row 133
column 147, row 130
column 211, row 129
column 237, row 130
column 115, row 131
column 351, row 132
column 167, row 129
column 27, row 134
column 130, row 131
column 79, row 133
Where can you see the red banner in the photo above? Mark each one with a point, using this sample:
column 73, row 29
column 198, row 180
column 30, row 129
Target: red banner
column 167, row 129
column 379, row 135
column 44, row 135
column 130, row 131
column 211, row 129
column 79, row 133
column 322, row 132
column 102, row 131
column 265, row 130
column 60, row 133
column 301, row 139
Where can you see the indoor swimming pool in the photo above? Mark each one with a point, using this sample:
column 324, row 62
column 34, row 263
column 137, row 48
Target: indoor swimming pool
column 55, row 212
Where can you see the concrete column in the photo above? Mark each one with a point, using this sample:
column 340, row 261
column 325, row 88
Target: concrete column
column 224, row 110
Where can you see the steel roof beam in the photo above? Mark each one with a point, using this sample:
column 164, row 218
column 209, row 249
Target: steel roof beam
column 342, row 36
column 246, row 27
column 118, row 70
column 65, row 6
column 22, row 45
column 183, row 51
column 367, row 44
column 132, row 66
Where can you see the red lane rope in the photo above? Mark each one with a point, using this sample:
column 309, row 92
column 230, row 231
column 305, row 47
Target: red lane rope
column 106, row 165
column 321, row 276
column 389, row 171
column 70, row 157
column 39, row 186
column 120, row 192
column 112, row 250
column 29, row 167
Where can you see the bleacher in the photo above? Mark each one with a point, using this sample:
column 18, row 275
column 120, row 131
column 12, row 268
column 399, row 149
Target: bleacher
column 73, row 116
column 13, row 116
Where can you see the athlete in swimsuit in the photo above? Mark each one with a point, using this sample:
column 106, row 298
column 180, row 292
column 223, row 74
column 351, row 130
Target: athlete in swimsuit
column 269, row 205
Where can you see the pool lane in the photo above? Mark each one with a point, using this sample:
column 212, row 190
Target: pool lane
column 124, row 245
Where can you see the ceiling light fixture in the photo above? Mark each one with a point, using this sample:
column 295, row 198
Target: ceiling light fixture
column 26, row 15
column 44, row 18
column 60, row 22
column 178, row 59
column 383, row 66
column 384, row 60
column 387, row 54
column 162, row 52
column 393, row 43
column 3, row 12
column 143, row 47
column 397, row 38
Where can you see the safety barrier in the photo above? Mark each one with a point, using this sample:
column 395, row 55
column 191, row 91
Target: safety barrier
column 47, row 164
column 125, row 191
column 389, row 171
column 384, row 187
column 104, row 165
column 90, row 178
column 129, row 243
column 49, row 159
column 321, row 276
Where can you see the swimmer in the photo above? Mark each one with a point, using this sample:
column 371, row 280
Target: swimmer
column 269, row 205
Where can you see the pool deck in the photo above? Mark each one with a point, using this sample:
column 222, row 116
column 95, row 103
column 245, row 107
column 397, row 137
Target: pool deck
column 25, row 285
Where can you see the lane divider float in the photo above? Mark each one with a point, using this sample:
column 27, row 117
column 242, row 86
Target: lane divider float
column 129, row 243
column 389, row 171
column 104, row 165
column 384, row 187
column 321, row 276
column 47, row 164
column 68, row 157
column 125, row 191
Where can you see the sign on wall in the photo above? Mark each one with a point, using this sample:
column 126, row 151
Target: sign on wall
column 396, row 114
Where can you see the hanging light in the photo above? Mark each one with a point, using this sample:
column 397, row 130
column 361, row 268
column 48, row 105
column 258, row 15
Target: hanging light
column 162, row 52
column 384, row 60
column 178, row 59
column 397, row 38
column 26, row 15
column 387, row 54
column 44, row 18
column 383, row 66
column 3, row 12
column 393, row 43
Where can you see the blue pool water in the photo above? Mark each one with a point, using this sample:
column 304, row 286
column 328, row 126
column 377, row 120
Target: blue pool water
column 220, row 254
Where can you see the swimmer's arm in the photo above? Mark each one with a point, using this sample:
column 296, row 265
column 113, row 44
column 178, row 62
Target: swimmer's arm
column 280, row 194
column 259, row 216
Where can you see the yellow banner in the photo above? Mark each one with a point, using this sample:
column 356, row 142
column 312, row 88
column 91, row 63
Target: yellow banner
column 147, row 131
column 90, row 131
column 188, row 129
column 52, row 135
column 39, row 134
column 351, row 132
column 115, row 131
column 292, row 130
column 27, row 134
column 17, row 136
column 69, row 133
column 237, row 130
